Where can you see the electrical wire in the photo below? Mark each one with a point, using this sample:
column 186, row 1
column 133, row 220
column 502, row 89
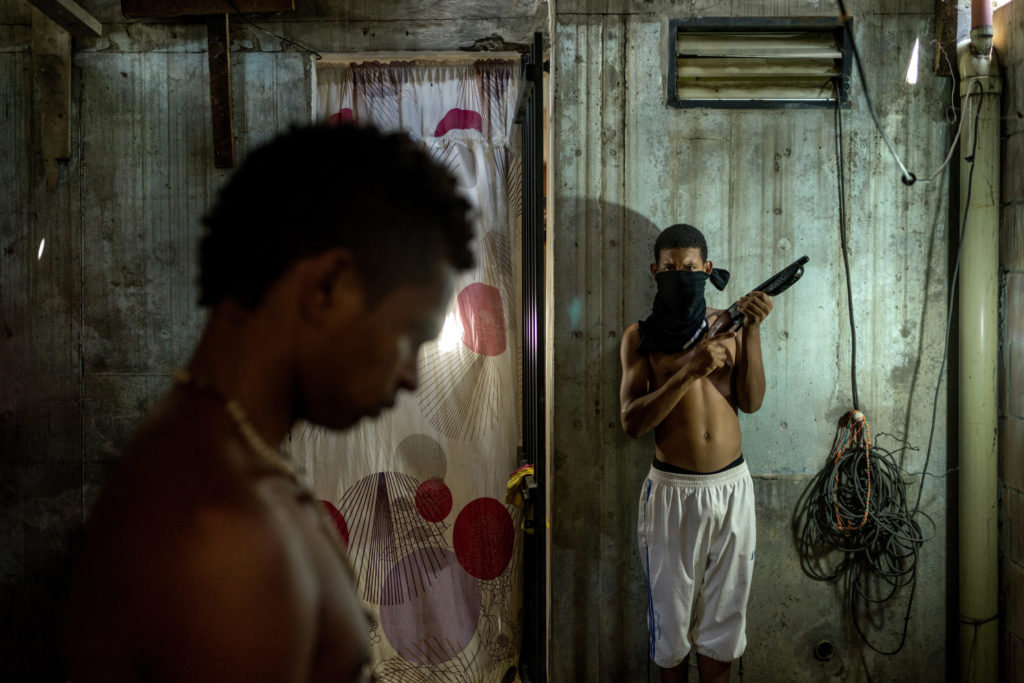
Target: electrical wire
column 857, row 506
column 976, row 623
column 953, row 147
column 907, row 177
column 853, row 525
column 840, row 179
column 952, row 71
column 297, row 44
column 951, row 115
column 949, row 307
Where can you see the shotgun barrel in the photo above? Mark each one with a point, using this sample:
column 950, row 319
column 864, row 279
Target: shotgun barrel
column 731, row 318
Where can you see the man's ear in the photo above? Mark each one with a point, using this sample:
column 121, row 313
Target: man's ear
column 329, row 284
column 708, row 267
column 654, row 269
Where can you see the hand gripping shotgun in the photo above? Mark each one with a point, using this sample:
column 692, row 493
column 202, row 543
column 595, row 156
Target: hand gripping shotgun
column 731, row 318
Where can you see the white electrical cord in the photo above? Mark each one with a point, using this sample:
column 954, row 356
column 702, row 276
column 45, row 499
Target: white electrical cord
column 907, row 177
column 971, row 82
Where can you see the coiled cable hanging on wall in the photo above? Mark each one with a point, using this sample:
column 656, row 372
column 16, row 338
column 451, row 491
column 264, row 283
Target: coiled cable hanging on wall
column 853, row 521
column 854, row 524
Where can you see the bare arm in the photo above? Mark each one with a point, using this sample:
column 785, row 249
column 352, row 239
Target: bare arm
column 642, row 409
column 750, row 381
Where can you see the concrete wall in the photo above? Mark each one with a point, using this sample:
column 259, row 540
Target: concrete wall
column 1009, row 27
column 91, row 329
column 763, row 187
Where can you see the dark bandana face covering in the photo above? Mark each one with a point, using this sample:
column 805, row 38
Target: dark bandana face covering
column 677, row 319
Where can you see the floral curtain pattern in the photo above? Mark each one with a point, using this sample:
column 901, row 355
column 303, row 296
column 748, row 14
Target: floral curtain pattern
column 419, row 493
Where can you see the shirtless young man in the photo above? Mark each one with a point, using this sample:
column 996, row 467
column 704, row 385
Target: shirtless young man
column 696, row 528
column 328, row 259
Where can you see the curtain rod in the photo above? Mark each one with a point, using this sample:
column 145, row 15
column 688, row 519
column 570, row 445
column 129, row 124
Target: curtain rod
column 344, row 58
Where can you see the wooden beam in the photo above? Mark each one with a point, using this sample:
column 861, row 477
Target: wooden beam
column 133, row 9
column 219, row 38
column 51, row 66
column 71, row 16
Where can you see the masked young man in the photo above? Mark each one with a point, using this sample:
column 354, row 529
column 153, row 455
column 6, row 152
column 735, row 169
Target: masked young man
column 696, row 527
column 329, row 257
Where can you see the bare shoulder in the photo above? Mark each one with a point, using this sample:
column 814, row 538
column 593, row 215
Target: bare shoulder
column 187, row 476
column 631, row 337
column 179, row 549
column 633, row 362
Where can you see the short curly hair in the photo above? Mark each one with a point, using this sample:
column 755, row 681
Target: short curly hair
column 681, row 236
column 319, row 187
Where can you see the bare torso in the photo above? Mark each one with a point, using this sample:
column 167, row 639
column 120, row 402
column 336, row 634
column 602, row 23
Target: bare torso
column 702, row 433
column 199, row 559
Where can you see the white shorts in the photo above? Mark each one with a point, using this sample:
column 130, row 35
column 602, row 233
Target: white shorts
column 697, row 535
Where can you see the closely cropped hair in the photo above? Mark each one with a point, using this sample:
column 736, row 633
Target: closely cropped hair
column 681, row 236
column 320, row 187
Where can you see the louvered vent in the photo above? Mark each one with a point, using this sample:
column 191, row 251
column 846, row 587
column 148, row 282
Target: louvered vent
column 757, row 63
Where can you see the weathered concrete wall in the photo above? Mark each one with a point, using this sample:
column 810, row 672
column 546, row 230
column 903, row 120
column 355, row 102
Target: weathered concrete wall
column 763, row 186
column 1009, row 38
column 93, row 326
column 89, row 331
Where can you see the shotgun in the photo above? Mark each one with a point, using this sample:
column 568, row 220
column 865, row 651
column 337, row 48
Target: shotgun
column 731, row 319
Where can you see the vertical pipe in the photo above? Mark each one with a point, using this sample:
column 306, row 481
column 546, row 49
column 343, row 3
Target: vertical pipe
column 981, row 27
column 978, row 301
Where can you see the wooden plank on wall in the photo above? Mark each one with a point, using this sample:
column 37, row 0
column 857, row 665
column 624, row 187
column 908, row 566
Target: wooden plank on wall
column 220, row 92
column 71, row 16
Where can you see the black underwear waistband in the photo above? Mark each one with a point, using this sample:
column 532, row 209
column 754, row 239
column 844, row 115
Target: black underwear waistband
column 669, row 467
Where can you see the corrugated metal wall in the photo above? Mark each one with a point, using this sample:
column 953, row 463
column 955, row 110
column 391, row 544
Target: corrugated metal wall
column 763, row 187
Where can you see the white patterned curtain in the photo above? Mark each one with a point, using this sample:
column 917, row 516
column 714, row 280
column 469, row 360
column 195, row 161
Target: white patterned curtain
column 420, row 492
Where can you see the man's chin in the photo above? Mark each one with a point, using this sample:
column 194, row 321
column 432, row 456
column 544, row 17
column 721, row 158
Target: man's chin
column 342, row 422
column 339, row 423
column 375, row 412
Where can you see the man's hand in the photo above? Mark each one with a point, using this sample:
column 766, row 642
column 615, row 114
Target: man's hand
column 711, row 353
column 755, row 307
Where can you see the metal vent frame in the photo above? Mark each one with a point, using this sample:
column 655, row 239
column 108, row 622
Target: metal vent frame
column 769, row 26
